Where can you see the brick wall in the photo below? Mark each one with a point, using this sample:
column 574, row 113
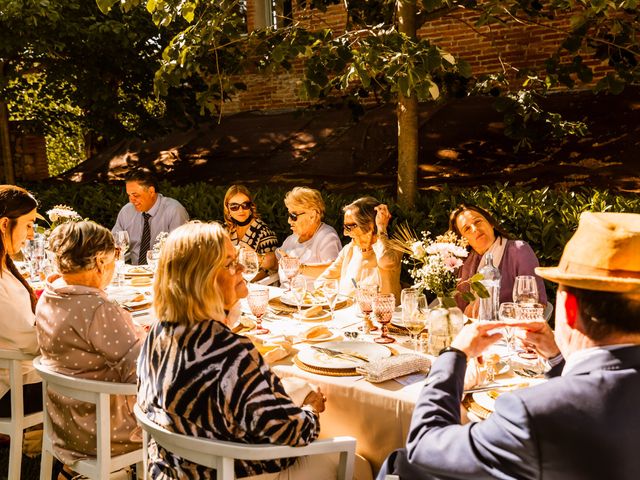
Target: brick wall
column 29, row 156
column 487, row 49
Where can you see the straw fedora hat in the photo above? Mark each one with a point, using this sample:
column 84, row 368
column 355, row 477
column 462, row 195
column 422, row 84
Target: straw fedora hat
column 603, row 254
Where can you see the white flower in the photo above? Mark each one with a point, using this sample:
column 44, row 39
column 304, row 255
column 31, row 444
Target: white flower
column 62, row 214
column 418, row 250
column 452, row 263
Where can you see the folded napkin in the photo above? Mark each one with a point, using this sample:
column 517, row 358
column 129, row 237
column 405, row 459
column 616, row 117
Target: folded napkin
column 393, row 367
column 272, row 349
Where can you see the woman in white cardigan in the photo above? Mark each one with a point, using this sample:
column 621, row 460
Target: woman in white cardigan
column 17, row 300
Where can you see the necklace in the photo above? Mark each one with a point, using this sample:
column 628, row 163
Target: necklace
column 243, row 224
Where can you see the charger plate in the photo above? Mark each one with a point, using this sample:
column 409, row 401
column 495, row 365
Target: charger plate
column 471, row 405
column 276, row 304
column 330, row 372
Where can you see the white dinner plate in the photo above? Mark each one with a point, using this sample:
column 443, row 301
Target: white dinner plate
column 309, row 300
column 318, row 318
column 372, row 351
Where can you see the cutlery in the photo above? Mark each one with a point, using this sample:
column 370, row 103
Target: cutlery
column 495, row 386
column 338, row 353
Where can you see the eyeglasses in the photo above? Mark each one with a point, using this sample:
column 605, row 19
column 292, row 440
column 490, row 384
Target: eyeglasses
column 350, row 226
column 294, row 216
column 234, row 266
column 234, row 207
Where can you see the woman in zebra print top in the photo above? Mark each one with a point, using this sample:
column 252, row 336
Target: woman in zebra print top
column 197, row 377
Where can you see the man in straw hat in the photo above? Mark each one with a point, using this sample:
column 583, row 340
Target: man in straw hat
column 584, row 423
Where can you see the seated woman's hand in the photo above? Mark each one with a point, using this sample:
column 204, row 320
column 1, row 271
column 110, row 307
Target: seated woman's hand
column 315, row 400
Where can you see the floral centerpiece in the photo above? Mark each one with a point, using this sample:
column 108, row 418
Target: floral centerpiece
column 434, row 267
column 435, row 264
column 160, row 241
column 62, row 214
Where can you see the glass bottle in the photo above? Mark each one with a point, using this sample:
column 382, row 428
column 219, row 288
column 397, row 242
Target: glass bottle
column 489, row 306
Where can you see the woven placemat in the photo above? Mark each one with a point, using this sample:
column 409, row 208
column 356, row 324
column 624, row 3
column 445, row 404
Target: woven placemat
column 470, row 404
column 276, row 304
column 331, row 372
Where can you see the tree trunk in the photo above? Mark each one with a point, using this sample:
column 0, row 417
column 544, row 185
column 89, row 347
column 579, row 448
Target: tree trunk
column 407, row 112
column 5, row 145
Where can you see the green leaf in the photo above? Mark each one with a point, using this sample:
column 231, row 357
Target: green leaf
column 468, row 297
column 476, row 278
column 434, row 91
column 480, row 289
column 105, row 5
column 449, row 302
column 151, row 5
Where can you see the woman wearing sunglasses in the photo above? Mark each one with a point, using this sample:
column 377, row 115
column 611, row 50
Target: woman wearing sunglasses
column 315, row 243
column 246, row 228
column 366, row 221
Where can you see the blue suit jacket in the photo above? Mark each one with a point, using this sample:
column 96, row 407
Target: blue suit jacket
column 585, row 425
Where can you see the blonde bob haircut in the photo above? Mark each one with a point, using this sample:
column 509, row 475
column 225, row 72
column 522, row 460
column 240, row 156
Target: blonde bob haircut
column 185, row 288
column 306, row 198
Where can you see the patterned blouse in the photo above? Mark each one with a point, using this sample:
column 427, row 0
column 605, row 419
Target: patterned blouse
column 203, row 380
column 258, row 236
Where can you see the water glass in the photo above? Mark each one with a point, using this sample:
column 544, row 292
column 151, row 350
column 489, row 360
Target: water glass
column 152, row 260
column 526, row 362
column 248, row 258
column 417, row 320
column 507, row 313
column 290, row 267
column 121, row 240
column 525, row 289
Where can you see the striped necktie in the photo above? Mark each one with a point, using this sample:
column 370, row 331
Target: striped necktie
column 145, row 243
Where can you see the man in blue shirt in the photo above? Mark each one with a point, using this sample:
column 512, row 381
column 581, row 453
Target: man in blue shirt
column 147, row 214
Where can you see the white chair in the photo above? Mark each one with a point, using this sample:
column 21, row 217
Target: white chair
column 220, row 455
column 14, row 426
column 90, row 391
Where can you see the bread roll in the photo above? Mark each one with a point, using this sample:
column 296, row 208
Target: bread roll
column 137, row 298
column 313, row 312
column 141, row 281
column 317, row 332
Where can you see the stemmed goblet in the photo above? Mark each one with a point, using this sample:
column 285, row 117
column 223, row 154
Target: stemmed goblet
column 290, row 266
column 507, row 313
column 364, row 296
column 528, row 363
column 258, row 301
column 383, row 306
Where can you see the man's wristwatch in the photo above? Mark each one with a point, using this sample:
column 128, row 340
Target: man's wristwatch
column 454, row 350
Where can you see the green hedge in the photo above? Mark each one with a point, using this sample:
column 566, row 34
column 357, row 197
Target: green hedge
column 545, row 218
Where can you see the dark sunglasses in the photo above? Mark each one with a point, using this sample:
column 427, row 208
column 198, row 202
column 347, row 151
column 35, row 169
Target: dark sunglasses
column 294, row 216
column 234, row 207
column 350, row 226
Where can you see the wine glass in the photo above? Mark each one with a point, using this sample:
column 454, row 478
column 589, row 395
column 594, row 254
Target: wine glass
column 152, row 260
column 248, row 258
column 364, row 296
column 121, row 240
column 258, row 301
column 507, row 313
column 417, row 320
column 290, row 267
column 330, row 289
column 525, row 289
column 383, row 306
column 369, row 276
column 527, row 362
column 298, row 286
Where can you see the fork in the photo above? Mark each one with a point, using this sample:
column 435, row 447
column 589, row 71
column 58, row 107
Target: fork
column 335, row 353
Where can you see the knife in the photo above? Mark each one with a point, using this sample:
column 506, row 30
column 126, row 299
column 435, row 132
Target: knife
column 496, row 386
column 338, row 353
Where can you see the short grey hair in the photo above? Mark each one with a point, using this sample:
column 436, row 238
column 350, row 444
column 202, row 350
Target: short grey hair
column 364, row 213
column 307, row 198
column 76, row 245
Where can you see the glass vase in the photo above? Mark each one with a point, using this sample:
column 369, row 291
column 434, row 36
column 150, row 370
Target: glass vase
column 444, row 324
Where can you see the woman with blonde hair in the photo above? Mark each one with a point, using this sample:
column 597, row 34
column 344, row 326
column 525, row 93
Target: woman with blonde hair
column 197, row 377
column 247, row 229
column 83, row 334
column 315, row 243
